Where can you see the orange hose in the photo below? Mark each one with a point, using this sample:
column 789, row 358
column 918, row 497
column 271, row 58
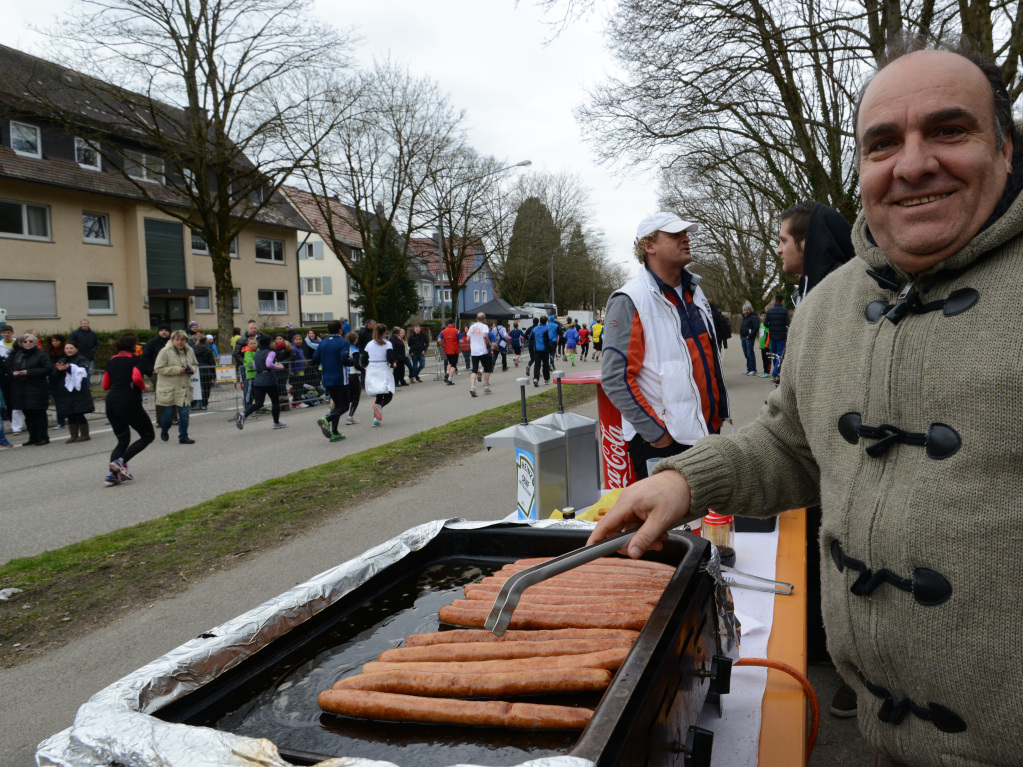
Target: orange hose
column 811, row 696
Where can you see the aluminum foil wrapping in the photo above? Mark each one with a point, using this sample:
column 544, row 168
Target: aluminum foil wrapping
column 729, row 628
column 114, row 726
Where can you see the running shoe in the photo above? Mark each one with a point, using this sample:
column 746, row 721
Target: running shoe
column 486, row 390
column 450, row 382
column 280, row 425
column 111, row 480
column 472, row 390
column 536, row 384
column 349, row 421
column 239, row 421
column 120, row 469
column 378, row 413
column 337, row 437
column 324, row 425
column 376, row 422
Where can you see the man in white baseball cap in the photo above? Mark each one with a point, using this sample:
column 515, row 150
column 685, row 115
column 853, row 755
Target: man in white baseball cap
column 661, row 367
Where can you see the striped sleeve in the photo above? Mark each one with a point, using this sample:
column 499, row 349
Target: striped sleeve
column 624, row 349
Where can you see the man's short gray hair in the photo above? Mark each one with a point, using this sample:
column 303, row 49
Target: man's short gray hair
column 481, row 316
column 906, row 42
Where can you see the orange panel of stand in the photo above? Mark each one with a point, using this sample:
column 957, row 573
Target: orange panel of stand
column 785, row 711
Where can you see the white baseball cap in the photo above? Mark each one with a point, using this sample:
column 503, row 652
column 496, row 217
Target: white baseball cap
column 663, row 222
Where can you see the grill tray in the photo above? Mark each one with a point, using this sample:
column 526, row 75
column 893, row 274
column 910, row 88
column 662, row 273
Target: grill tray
column 652, row 700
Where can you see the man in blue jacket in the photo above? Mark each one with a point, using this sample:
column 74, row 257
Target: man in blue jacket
column 540, row 346
column 334, row 356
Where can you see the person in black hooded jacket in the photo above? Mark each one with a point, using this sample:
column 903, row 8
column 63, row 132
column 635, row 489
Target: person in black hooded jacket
column 814, row 241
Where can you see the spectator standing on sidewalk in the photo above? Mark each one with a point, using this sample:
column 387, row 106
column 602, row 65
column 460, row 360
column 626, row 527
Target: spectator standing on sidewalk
column 207, row 360
column 296, row 375
column 72, row 392
column 265, row 384
column 778, row 321
column 87, row 341
column 7, row 344
column 762, row 341
column 54, row 346
column 400, row 357
column 174, row 367
column 334, row 356
column 366, row 334
column 30, row 368
column 380, row 361
column 479, row 342
column 448, row 340
column 749, row 329
column 418, row 343
column 147, row 363
column 123, row 383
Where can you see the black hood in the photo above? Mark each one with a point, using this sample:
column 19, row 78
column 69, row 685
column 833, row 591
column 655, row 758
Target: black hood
column 827, row 246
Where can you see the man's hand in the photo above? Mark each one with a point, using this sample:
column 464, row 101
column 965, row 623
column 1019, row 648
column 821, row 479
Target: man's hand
column 660, row 503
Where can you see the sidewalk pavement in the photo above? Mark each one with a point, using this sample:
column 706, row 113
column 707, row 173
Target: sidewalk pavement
column 40, row 698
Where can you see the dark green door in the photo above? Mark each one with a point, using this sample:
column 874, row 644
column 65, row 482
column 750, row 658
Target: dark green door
column 173, row 311
column 165, row 255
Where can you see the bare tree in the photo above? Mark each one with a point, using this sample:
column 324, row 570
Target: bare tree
column 393, row 134
column 200, row 96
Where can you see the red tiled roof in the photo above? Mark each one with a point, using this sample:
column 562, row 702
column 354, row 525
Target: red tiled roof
column 426, row 249
column 342, row 215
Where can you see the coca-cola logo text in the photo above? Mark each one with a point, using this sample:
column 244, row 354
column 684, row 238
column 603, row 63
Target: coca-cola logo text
column 617, row 469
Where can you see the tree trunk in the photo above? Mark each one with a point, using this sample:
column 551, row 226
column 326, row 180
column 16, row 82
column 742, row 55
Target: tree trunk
column 220, row 258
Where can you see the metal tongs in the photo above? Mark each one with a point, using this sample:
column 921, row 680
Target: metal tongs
column 508, row 596
column 777, row 587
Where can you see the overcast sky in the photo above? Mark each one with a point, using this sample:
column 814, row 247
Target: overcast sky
column 489, row 55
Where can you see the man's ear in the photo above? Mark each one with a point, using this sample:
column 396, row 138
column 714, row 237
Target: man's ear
column 1007, row 150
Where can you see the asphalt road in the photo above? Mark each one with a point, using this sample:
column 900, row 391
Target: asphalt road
column 54, row 495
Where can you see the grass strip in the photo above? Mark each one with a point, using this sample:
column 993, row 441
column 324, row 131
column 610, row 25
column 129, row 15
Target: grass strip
column 70, row 591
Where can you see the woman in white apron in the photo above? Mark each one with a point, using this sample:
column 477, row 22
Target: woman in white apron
column 380, row 371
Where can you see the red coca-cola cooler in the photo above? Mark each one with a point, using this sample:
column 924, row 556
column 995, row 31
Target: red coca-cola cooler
column 614, row 452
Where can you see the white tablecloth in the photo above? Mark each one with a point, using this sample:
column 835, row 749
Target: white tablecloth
column 737, row 732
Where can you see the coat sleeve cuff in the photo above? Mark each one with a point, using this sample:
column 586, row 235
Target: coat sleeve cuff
column 708, row 474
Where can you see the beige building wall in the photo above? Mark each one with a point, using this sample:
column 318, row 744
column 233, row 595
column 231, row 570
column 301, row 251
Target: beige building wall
column 317, row 305
column 71, row 264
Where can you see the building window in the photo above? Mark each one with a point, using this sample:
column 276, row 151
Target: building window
column 317, row 316
column 475, row 296
column 447, row 295
column 202, row 301
column 270, row 250
column 483, row 295
column 313, row 284
column 86, row 155
column 96, row 228
column 237, row 300
column 24, row 220
column 356, row 255
column 199, row 244
column 25, row 299
column 101, row 298
column 144, row 167
column 189, row 176
column 26, row 140
column 476, row 277
column 273, row 301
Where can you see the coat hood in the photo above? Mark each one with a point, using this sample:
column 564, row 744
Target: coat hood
column 1005, row 223
column 827, row 246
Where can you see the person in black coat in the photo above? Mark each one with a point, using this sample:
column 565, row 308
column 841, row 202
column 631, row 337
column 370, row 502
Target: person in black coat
column 30, row 369
column 749, row 329
column 400, row 356
column 73, row 404
column 777, row 322
column 207, row 369
column 418, row 343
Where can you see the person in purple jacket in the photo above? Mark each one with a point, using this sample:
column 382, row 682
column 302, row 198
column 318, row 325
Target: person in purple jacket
column 264, row 384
